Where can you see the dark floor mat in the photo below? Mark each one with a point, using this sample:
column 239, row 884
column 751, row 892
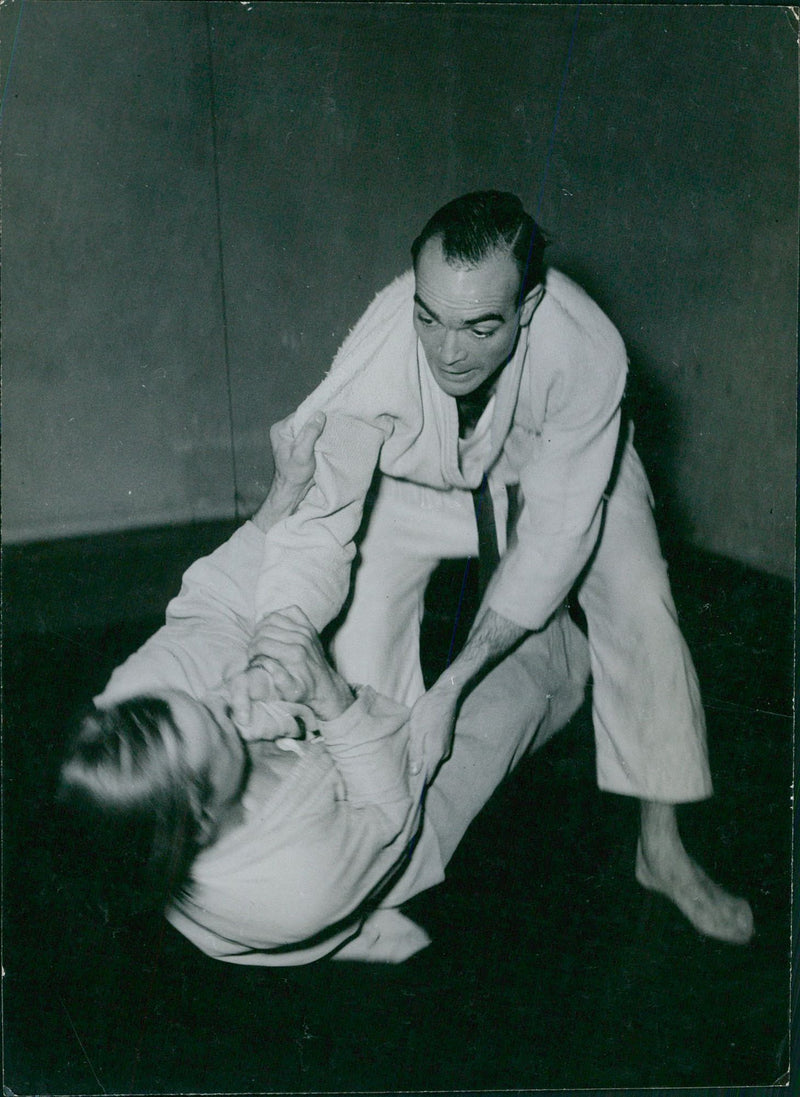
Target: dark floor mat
column 550, row 967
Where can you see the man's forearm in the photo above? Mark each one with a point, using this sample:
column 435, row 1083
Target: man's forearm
column 433, row 716
column 294, row 470
column 491, row 638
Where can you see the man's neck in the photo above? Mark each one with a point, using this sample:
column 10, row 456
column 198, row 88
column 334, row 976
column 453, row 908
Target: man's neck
column 472, row 406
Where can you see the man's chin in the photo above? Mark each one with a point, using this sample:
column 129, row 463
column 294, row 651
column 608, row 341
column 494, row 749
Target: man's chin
column 458, row 384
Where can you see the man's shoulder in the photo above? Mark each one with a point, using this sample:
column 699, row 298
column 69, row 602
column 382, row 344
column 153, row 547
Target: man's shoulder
column 388, row 312
column 375, row 370
column 402, row 286
column 387, row 302
column 569, row 314
column 573, row 298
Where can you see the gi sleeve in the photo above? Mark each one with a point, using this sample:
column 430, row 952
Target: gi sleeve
column 308, row 556
column 208, row 625
column 563, row 484
column 351, row 852
column 370, row 751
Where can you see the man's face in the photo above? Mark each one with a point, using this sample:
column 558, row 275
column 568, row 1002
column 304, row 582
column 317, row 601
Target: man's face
column 213, row 744
column 466, row 318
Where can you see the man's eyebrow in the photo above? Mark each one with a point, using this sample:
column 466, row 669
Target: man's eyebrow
column 484, row 318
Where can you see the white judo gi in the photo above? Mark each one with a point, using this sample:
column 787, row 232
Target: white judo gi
column 323, row 859
column 552, row 427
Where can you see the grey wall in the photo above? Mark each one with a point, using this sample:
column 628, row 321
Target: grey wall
column 671, row 192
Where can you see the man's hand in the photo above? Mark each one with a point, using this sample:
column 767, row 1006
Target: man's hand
column 287, row 661
column 433, row 716
column 294, row 469
column 431, row 727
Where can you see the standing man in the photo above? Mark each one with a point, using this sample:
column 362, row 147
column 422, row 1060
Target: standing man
column 480, row 369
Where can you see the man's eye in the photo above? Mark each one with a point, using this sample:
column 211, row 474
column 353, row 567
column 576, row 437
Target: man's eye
column 426, row 320
column 483, row 334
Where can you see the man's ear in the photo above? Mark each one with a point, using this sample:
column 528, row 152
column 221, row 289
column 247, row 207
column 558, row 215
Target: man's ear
column 530, row 304
column 207, row 828
column 206, row 825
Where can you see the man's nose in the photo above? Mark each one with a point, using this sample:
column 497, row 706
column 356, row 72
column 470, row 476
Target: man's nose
column 452, row 349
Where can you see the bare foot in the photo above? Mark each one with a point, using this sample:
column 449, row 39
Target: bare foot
column 663, row 865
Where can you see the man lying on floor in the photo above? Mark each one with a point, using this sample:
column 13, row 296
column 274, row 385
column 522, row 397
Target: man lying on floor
column 304, row 841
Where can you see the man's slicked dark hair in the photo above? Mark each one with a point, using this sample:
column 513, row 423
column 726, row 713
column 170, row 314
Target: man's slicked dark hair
column 475, row 225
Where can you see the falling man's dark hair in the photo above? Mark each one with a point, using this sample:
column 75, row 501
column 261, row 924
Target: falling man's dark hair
column 129, row 796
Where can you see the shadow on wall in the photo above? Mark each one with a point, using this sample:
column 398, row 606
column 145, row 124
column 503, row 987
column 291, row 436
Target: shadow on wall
column 656, row 415
column 652, row 407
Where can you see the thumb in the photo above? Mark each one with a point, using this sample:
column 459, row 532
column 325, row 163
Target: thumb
column 308, row 435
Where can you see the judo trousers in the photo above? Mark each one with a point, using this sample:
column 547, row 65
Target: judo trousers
column 648, row 717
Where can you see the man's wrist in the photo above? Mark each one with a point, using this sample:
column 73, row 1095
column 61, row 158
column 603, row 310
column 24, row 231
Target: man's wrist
column 492, row 637
column 285, row 495
column 458, row 674
column 336, row 702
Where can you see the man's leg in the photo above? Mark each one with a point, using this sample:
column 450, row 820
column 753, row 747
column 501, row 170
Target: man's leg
column 410, row 529
column 513, row 710
column 648, row 716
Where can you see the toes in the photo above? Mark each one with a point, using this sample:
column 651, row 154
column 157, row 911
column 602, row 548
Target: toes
column 744, row 921
column 710, row 909
column 725, row 919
